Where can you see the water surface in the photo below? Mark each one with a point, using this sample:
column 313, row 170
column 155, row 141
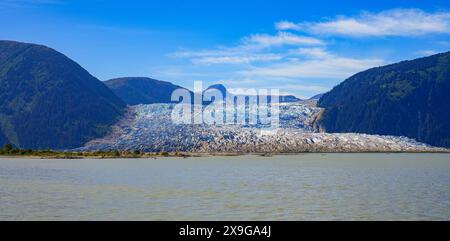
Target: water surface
column 293, row 187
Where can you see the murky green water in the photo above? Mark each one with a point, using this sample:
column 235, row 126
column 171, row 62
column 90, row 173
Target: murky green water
column 297, row 187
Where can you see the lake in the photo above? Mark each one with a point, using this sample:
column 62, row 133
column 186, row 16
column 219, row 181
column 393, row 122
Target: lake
column 290, row 187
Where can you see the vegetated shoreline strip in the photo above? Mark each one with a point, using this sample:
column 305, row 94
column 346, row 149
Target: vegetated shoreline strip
column 153, row 155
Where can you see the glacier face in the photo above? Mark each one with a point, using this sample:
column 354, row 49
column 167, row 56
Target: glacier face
column 149, row 128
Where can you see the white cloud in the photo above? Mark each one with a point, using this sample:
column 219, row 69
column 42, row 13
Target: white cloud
column 282, row 38
column 203, row 53
column 291, row 69
column 397, row 22
column 254, row 48
column 280, row 60
column 245, row 59
column 254, row 43
column 286, row 25
column 311, row 52
column 330, row 67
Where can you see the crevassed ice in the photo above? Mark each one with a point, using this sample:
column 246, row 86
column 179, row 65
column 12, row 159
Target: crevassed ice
column 149, row 128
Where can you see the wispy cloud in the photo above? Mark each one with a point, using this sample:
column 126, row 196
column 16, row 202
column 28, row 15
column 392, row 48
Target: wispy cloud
column 427, row 52
column 244, row 59
column 282, row 38
column 286, row 25
column 316, row 52
column 327, row 67
column 396, row 22
column 253, row 48
column 300, row 63
column 233, row 55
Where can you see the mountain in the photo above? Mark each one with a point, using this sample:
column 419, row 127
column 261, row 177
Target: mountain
column 221, row 88
column 225, row 93
column 141, row 90
column 316, row 97
column 288, row 99
column 410, row 98
column 49, row 101
column 212, row 90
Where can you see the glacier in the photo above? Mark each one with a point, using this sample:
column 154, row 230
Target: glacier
column 149, row 128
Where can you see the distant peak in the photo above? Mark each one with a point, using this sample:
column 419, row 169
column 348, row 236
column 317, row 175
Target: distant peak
column 127, row 79
column 217, row 86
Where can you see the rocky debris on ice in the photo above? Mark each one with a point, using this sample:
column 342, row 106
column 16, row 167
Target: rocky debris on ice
column 149, row 128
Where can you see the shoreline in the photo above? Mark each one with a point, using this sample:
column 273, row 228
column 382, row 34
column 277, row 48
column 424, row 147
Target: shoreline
column 75, row 156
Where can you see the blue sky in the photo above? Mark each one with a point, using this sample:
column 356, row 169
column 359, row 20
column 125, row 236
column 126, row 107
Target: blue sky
column 300, row 47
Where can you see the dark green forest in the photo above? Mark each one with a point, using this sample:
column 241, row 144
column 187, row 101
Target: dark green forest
column 49, row 101
column 410, row 98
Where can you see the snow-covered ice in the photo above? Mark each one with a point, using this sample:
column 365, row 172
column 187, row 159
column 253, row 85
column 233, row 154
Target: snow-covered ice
column 150, row 128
